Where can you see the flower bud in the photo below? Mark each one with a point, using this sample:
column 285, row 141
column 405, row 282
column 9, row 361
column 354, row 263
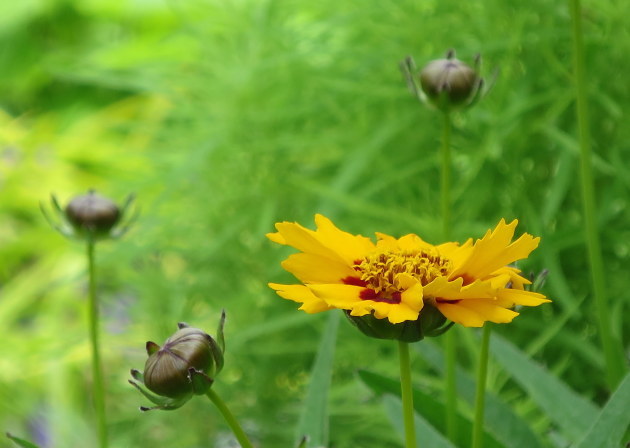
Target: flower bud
column 430, row 323
column 92, row 214
column 166, row 372
column 90, row 217
column 185, row 365
column 448, row 83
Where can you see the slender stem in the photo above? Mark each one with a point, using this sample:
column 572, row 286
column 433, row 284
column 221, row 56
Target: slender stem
column 450, row 339
column 230, row 419
column 445, row 181
column 480, row 398
column 98, row 389
column 407, row 395
column 612, row 348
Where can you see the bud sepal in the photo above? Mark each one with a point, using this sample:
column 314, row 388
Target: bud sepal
column 430, row 323
column 185, row 366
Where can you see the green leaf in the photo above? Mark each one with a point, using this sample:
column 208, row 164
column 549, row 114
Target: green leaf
column 426, row 435
column 426, row 406
column 21, row 442
column 314, row 418
column 500, row 420
column 569, row 410
column 613, row 421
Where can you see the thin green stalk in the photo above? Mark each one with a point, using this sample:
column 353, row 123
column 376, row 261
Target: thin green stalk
column 612, row 348
column 480, row 393
column 229, row 418
column 445, row 178
column 98, row 389
column 450, row 341
column 406, row 392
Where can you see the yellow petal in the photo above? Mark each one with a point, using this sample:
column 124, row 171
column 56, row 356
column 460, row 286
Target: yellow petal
column 350, row 247
column 489, row 310
column 339, row 296
column 442, row 287
column 413, row 293
column 301, row 294
column 460, row 315
column 304, row 240
column 276, row 238
column 494, row 251
column 412, row 242
column 311, row 268
column 521, row 297
column 395, row 313
column 453, row 290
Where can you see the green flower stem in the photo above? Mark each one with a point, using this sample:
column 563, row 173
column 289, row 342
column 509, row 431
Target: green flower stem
column 98, row 389
column 450, row 341
column 480, row 394
column 445, row 178
column 406, row 392
column 230, row 419
column 613, row 350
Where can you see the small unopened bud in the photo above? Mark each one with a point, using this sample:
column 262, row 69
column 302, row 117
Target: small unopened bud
column 166, row 371
column 90, row 217
column 92, row 213
column 430, row 323
column 185, row 365
column 449, row 83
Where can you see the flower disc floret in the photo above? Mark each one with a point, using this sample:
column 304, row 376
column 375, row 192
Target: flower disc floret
column 381, row 271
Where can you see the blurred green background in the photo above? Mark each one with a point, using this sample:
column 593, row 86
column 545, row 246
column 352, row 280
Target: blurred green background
column 227, row 116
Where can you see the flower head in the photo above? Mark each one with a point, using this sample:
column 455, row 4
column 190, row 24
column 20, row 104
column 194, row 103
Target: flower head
column 184, row 366
column 90, row 217
column 406, row 279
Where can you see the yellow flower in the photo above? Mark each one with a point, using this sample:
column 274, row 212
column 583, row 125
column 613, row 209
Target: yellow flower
column 396, row 278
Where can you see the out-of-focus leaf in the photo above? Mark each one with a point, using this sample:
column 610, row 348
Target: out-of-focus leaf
column 426, row 406
column 501, row 421
column 569, row 410
column 314, row 418
column 21, row 442
column 426, row 435
column 613, row 421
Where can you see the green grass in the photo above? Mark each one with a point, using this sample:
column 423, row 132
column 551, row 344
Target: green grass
column 225, row 117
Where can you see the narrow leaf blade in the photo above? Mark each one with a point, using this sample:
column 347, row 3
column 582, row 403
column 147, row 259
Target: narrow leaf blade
column 569, row 410
column 500, row 420
column 21, row 442
column 613, row 422
column 427, row 406
column 426, row 435
column 314, row 418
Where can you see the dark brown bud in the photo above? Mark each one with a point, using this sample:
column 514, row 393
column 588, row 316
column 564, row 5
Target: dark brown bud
column 92, row 214
column 189, row 353
column 449, row 83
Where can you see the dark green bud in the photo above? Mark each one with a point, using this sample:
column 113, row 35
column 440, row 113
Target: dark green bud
column 430, row 323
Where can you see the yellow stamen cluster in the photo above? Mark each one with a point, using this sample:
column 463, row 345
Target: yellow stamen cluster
column 380, row 269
